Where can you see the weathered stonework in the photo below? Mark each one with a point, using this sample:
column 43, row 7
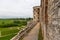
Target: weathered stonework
column 49, row 16
column 50, row 19
column 36, row 13
column 53, row 25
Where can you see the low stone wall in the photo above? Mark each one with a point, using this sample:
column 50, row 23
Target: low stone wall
column 24, row 31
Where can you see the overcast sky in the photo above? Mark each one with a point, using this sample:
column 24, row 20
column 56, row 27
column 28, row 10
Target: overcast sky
column 17, row 8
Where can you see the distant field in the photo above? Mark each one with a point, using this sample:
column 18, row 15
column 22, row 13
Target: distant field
column 12, row 23
column 9, row 28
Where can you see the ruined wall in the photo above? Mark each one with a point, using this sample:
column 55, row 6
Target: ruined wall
column 44, row 18
column 53, row 29
column 50, row 19
column 36, row 13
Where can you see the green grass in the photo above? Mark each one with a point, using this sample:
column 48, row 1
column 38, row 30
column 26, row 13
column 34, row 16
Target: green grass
column 10, row 28
column 7, row 37
column 12, row 23
column 40, row 37
column 6, row 31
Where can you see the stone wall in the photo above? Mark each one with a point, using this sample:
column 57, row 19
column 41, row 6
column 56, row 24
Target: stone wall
column 53, row 29
column 24, row 31
column 36, row 13
column 50, row 19
column 44, row 17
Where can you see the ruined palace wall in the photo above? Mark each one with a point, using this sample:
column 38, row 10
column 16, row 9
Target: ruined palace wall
column 50, row 19
column 43, row 25
column 53, row 29
column 36, row 13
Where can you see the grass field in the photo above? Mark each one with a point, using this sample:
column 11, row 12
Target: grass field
column 7, row 37
column 8, row 33
column 9, row 28
column 12, row 23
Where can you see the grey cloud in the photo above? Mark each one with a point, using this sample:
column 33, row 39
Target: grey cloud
column 17, row 8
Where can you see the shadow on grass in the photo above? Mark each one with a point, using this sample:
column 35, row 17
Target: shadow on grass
column 40, row 37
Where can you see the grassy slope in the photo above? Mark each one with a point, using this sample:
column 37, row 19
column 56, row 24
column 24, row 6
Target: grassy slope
column 8, row 33
column 7, row 37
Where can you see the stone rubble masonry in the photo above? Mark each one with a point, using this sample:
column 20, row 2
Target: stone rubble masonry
column 36, row 13
column 53, row 29
column 49, row 17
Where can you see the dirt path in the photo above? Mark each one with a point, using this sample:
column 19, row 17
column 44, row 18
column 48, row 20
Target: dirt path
column 33, row 34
